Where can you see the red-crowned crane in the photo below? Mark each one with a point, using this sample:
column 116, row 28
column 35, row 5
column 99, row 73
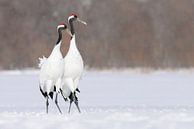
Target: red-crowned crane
column 51, row 70
column 73, row 67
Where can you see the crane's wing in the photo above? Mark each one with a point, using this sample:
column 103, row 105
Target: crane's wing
column 42, row 61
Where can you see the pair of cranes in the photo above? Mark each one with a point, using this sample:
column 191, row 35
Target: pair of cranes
column 62, row 75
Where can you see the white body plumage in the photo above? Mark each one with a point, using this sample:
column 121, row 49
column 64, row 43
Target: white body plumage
column 51, row 71
column 73, row 69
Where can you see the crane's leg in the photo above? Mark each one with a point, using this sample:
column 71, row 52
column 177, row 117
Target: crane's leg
column 71, row 100
column 56, row 102
column 70, row 106
column 74, row 99
column 76, row 102
column 47, row 104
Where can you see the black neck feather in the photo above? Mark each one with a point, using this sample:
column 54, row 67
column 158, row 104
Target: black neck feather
column 72, row 26
column 60, row 36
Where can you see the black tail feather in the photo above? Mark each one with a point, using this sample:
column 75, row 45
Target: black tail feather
column 63, row 95
column 51, row 95
column 73, row 97
column 55, row 89
column 78, row 90
column 43, row 93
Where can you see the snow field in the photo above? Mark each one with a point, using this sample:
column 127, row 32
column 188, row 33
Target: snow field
column 108, row 100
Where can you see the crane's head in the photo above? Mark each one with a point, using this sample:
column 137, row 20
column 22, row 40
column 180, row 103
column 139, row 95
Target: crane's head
column 62, row 26
column 74, row 17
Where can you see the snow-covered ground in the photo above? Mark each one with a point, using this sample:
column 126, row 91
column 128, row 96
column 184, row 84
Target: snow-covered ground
column 108, row 100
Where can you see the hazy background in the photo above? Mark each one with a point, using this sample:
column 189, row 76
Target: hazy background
column 120, row 33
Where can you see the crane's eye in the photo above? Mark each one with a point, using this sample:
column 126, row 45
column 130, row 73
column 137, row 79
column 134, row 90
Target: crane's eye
column 73, row 14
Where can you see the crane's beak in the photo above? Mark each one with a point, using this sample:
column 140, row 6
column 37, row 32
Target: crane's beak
column 83, row 22
column 69, row 32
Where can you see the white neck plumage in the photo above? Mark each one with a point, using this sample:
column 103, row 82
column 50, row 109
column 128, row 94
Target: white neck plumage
column 73, row 47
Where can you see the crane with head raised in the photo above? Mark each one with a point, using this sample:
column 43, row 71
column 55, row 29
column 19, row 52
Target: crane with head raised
column 73, row 67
